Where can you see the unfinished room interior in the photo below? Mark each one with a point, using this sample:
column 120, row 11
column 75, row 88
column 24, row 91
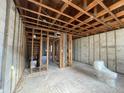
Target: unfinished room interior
column 61, row 46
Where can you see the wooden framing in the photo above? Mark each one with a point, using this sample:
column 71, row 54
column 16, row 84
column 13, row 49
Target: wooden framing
column 61, row 63
column 44, row 29
column 40, row 58
column 61, row 10
column 101, row 3
column 47, row 60
column 54, row 10
column 69, row 49
column 83, row 11
column 32, row 50
column 39, row 12
column 32, row 11
column 27, row 22
column 87, row 7
column 59, row 19
column 44, row 22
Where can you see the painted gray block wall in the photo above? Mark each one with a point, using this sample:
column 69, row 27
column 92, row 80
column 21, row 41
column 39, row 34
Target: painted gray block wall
column 91, row 55
column 2, row 26
column 103, row 50
column 108, row 46
column 120, row 50
column 13, row 52
column 7, row 70
column 111, row 50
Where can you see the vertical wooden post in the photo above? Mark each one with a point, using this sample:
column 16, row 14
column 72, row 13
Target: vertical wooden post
column 61, row 51
column 70, row 49
column 47, row 51
column 40, row 58
column 61, row 45
column 53, row 51
column 32, row 51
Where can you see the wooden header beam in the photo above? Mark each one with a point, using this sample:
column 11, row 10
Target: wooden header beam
column 44, row 29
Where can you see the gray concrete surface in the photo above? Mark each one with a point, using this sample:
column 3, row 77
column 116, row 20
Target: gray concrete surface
column 2, row 26
column 11, row 42
column 108, row 47
column 80, row 78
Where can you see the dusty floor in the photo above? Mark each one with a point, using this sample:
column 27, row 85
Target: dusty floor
column 77, row 79
column 0, row 83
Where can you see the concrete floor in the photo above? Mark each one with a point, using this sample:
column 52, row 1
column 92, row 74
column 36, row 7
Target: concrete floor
column 0, row 86
column 79, row 78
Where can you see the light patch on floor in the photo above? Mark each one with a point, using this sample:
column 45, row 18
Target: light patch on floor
column 79, row 78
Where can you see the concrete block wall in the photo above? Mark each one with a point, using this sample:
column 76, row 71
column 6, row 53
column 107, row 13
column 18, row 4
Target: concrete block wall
column 108, row 46
column 2, row 26
column 13, row 45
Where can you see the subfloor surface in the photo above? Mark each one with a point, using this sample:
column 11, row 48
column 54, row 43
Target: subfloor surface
column 80, row 78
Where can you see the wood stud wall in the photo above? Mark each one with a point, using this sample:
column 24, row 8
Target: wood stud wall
column 61, row 45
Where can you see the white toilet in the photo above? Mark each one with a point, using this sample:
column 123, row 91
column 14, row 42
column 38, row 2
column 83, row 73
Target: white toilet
column 104, row 74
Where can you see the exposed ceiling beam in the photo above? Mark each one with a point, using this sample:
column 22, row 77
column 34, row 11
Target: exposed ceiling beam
column 111, row 8
column 105, row 7
column 47, row 16
column 62, row 10
column 119, row 14
column 102, row 28
column 44, row 29
column 39, row 10
column 23, row 16
column 85, row 12
column 56, row 11
column 33, row 23
column 103, row 12
column 90, row 6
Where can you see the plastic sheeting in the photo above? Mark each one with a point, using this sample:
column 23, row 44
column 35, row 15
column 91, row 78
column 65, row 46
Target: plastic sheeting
column 104, row 74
